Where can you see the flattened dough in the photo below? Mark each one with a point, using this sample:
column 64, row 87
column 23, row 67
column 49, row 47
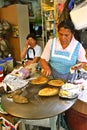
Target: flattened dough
column 39, row 80
column 20, row 99
column 48, row 92
column 56, row 82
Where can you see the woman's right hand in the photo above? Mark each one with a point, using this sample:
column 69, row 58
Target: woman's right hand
column 46, row 72
column 26, row 43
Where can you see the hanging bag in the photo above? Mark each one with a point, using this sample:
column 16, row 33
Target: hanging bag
column 79, row 16
column 28, row 57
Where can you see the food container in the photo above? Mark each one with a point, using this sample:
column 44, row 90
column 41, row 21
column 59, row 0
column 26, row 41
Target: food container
column 6, row 125
column 3, row 63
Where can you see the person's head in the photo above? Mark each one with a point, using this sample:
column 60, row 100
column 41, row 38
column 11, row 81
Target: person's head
column 31, row 39
column 66, row 31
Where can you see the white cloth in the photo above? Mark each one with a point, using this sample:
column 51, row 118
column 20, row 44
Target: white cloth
column 83, row 96
column 83, row 83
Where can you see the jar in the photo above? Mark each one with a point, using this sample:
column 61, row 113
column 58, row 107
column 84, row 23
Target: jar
column 1, row 73
column 9, row 64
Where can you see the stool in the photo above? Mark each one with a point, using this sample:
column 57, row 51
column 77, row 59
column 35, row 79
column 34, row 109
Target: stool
column 48, row 122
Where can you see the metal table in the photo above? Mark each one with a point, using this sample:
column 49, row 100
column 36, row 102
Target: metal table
column 38, row 107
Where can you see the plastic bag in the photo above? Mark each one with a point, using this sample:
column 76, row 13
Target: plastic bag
column 78, row 16
column 6, row 125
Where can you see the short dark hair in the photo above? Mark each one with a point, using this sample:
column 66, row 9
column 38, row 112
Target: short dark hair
column 31, row 35
column 67, row 24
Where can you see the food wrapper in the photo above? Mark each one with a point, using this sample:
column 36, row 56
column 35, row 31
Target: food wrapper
column 24, row 73
column 14, row 82
column 21, row 72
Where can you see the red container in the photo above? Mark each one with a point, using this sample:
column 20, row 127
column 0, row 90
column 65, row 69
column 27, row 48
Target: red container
column 76, row 120
column 1, row 73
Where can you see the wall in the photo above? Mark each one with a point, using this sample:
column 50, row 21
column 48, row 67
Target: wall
column 16, row 14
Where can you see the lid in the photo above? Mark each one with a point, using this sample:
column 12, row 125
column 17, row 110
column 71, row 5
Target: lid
column 2, row 61
column 8, row 58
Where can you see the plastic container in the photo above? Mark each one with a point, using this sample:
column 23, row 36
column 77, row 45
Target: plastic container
column 1, row 73
column 9, row 64
column 3, row 63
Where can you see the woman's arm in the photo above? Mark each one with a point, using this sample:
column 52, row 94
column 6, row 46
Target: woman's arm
column 23, row 53
column 46, row 70
column 35, row 60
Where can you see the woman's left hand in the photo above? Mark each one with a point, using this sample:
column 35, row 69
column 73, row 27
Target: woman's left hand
column 77, row 66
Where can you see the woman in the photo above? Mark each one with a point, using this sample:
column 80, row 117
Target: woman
column 31, row 51
column 62, row 53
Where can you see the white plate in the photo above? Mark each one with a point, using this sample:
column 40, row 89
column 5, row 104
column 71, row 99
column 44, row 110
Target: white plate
column 69, row 97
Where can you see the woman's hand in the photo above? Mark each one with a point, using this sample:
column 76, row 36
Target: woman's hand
column 28, row 62
column 46, row 72
column 26, row 43
column 23, row 53
column 77, row 66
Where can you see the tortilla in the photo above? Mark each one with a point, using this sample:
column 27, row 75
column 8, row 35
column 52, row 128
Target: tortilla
column 20, row 99
column 48, row 92
column 56, row 82
column 39, row 80
column 16, row 92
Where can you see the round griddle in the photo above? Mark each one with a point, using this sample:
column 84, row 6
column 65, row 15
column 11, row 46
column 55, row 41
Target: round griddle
column 38, row 107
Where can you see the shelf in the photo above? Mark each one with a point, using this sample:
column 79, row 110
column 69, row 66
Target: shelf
column 50, row 29
column 50, row 20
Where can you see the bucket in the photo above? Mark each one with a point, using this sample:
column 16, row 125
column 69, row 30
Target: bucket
column 76, row 120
